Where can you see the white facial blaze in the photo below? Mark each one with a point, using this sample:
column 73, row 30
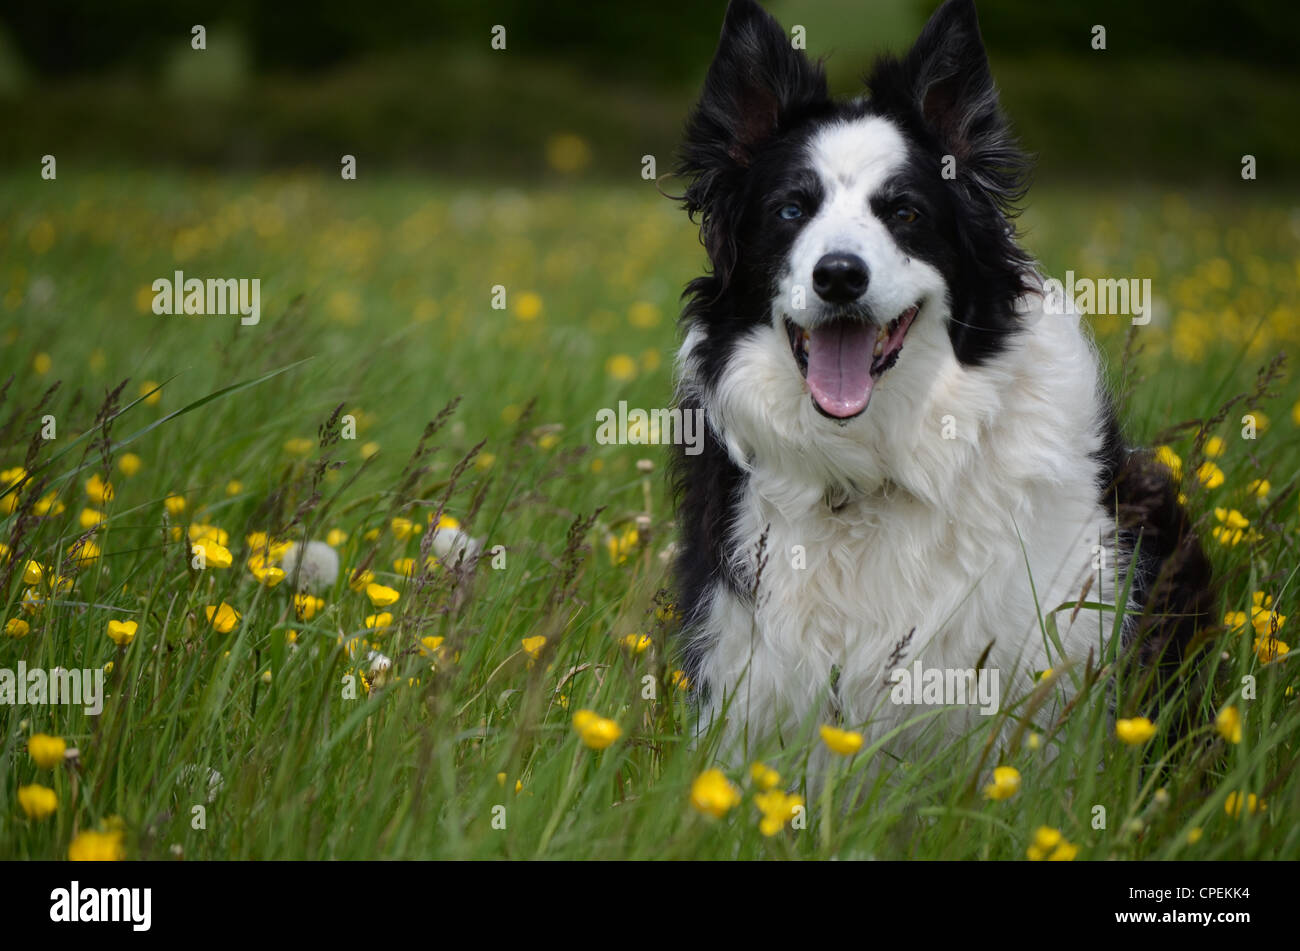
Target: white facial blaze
column 853, row 161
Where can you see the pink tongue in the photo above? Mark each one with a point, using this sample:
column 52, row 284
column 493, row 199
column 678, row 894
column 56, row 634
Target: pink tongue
column 839, row 366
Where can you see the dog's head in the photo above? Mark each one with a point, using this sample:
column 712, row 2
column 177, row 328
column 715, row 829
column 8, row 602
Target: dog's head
column 840, row 231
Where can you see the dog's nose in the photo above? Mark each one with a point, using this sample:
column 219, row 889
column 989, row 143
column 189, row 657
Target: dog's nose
column 840, row 278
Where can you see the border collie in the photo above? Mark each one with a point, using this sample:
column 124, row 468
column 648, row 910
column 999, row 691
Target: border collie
column 910, row 455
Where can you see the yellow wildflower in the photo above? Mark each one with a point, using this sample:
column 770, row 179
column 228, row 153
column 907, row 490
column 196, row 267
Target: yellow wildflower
column 381, row 596
column 1171, row 461
column 1235, row 802
column 222, row 617
column 122, row 633
column 99, row 491
column 764, row 776
column 1051, row 846
column 1211, row 476
column 46, row 751
column 92, row 846
column 37, row 802
column 1006, row 783
column 1228, row 724
column 1135, row 731
column 713, row 794
column 843, row 742
column 595, row 731
column 637, row 643
column 306, row 606
column 777, row 808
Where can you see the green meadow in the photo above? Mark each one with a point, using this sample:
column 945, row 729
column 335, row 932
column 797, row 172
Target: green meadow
column 382, row 398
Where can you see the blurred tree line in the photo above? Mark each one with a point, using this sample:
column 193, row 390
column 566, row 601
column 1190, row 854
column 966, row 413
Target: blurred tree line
column 663, row 41
column 666, row 40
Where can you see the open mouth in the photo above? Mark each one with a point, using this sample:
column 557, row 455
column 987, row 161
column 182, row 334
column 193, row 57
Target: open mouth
column 843, row 358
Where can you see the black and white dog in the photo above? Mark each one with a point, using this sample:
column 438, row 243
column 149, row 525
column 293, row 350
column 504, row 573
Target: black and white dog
column 909, row 456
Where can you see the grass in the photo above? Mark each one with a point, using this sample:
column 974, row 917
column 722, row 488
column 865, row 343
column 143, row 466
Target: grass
column 376, row 305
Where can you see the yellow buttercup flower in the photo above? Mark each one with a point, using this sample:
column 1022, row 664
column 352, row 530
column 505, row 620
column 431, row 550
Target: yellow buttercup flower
column 1049, row 845
column 38, row 802
column 33, row 573
column 267, row 575
column 533, row 645
column 777, row 808
column 1228, row 724
column 1215, row 447
column 174, row 504
column 46, row 751
column 234, row 487
column 528, row 306
column 1235, row 803
column 92, row 846
column 99, row 491
column 151, row 393
column 122, row 633
column 637, row 643
column 48, row 505
column 306, row 606
column 1135, row 731
column 360, row 580
column 843, row 742
column 445, row 522
column 89, row 518
column 128, row 464
column 16, row 627
column 382, row 596
column 336, row 537
column 595, row 731
column 623, row 544
column 1234, row 619
column 379, row 621
column 222, row 617
column 83, row 552
column 1259, row 488
column 1006, row 783
column 621, row 368
column 430, row 644
column 300, row 446
column 679, row 680
column 1194, row 835
column 404, row 528
column 764, row 776
column 200, row 532
column 713, row 794
column 1269, row 649
column 404, row 567
column 214, row 554
column 1211, row 476
column 1171, row 461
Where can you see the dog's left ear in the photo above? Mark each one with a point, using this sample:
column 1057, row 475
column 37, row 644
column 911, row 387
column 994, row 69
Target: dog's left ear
column 946, row 78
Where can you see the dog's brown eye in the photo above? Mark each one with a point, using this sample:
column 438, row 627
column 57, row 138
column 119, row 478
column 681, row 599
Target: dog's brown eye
column 906, row 214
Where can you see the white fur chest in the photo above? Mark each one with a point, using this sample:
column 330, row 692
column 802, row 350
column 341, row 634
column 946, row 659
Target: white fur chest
column 970, row 509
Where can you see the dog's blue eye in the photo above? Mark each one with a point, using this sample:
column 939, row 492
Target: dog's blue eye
column 790, row 212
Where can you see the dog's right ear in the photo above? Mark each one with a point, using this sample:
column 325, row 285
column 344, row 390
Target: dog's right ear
column 757, row 79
